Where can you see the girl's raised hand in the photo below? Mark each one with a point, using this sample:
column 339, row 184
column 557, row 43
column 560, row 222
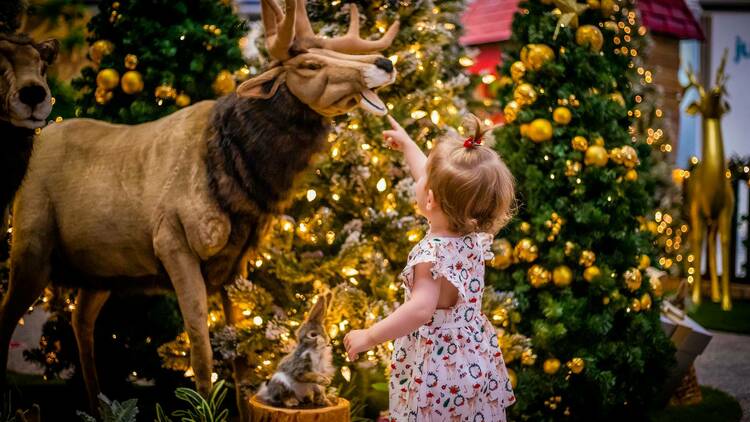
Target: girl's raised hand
column 397, row 136
column 356, row 342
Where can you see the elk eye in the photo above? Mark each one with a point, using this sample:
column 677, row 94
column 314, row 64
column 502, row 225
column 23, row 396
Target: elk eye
column 310, row 65
column 312, row 335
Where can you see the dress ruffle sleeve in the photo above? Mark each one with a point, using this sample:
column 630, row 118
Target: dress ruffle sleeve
column 443, row 258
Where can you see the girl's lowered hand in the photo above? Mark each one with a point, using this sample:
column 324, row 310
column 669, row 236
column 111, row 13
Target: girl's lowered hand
column 397, row 136
column 356, row 342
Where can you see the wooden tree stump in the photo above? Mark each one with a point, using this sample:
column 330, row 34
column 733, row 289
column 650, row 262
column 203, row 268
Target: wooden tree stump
column 262, row 412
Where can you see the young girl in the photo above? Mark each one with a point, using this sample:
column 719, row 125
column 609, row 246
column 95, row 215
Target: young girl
column 446, row 363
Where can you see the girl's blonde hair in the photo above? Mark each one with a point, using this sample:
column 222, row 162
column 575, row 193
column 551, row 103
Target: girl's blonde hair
column 471, row 183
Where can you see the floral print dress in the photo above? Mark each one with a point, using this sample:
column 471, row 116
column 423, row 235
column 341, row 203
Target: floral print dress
column 450, row 369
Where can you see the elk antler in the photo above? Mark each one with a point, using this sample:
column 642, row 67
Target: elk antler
column 279, row 27
column 721, row 77
column 351, row 43
column 693, row 83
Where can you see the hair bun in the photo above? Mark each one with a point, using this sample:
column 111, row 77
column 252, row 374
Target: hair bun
column 475, row 128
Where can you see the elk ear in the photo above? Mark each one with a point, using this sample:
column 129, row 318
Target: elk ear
column 48, row 50
column 693, row 109
column 253, row 88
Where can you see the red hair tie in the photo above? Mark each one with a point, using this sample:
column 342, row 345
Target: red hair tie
column 470, row 142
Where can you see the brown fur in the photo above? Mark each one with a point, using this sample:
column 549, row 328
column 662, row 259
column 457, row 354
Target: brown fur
column 177, row 202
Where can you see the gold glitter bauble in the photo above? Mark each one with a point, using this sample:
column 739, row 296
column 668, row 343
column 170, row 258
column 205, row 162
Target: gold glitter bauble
column 646, row 302
column 182, row 100
column 131, row 61
column 540, row 130
column 562, row 276
column 107, row 79
column 596, row 156
column 132, row 82
column 575, row 365
column 592, row 272
column 579, row 143
column 631, row 175
column 99, row 49
column 551, row 365
column 517, row 71
column 224, row 83
column 591, row 36
column 503, row 251
column 102, row 95
column 525, row 250
column 510, row 112
column 562, row 115
column 587, row 258
column 633, row 279
column 524, row 94
column 534, row 56
column 615, row 154
column 513, row 378
column 629, row 156
column 165, row 92
column 538, row 275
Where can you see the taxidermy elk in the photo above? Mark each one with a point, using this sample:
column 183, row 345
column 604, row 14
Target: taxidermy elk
column 180, row 201
column 25, row 103
column 710, row 198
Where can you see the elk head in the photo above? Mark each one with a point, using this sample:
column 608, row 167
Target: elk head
column 711, row 104
column 330, row 75
column 24, row 93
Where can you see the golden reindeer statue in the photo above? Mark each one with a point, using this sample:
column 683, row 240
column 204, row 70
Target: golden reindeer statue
column 709, row 192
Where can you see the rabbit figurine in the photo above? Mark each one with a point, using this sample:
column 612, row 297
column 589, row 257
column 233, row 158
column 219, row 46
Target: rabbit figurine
column 302, row 375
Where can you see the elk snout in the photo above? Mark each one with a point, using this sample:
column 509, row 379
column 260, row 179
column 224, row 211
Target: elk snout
column 32, row 95
column 384, row 64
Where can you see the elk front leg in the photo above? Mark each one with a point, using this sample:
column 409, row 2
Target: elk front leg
column 184, row 271
column 88, row 305
column 696, row 249
column 725, row 231
column 240, row 368
column 713, row 272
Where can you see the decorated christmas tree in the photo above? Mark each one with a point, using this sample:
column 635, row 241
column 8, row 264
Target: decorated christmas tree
column 153, row 57
column 150, row 58
column 575, row 255
column 353, row 220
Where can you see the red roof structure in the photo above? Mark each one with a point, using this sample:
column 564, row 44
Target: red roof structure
column 489, row 21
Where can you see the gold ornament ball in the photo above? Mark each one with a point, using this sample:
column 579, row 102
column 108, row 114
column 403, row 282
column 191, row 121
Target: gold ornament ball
column 524, row 130
column 99, row 49
column 131, row 61
column 633, row 278
column 646, row 302
column 615, row 154
column 503, row 251
column 570, row 247
column 596, row 156
column 591, row 36
column 656, row 287
column 107, row 79
column 562, row 276
column 102, row 95
column 576, row 365
column 599, row 141
column 510, row 111
column 540, row 130
column 579, row 143
column 165, row 92
column 524, row 94
column 525, row 227
column 131, row 82
column 538, row 275
column 525, row 250
column 644, row 262
column 562, row 115
column 512, row 377
column 629, row 156
column 635, row 305
column 224, row 83
column 631, row 175
column 618, row 98
column 534, row 56
column 551, row 365
column 572, row 168
column 182, row 100
column 517, row 71
column 592, row 272
column 587, row 258
column 607, row 7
